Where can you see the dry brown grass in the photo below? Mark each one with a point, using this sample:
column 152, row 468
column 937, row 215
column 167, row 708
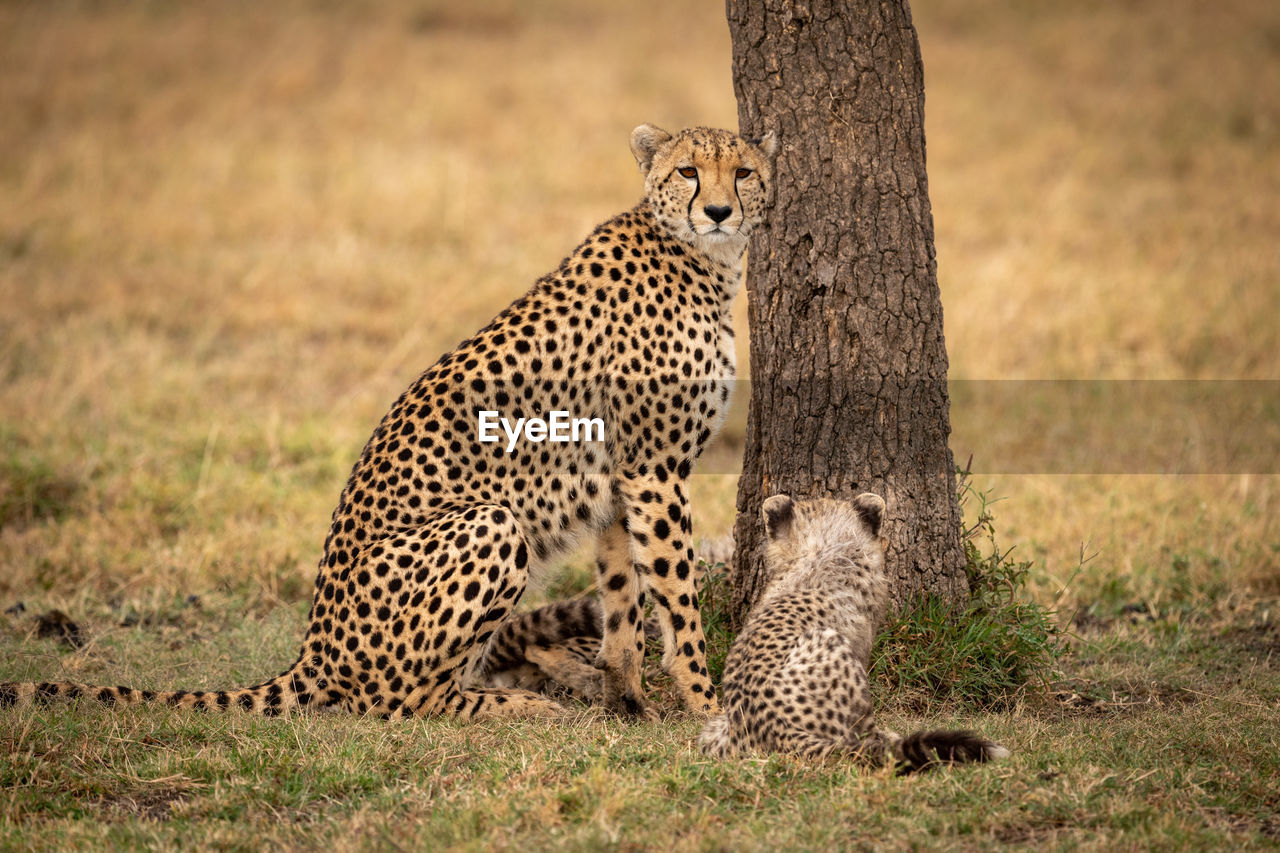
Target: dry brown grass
column 1105, row 180
column 232, row 233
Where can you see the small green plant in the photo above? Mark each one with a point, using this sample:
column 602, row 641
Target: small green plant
column 715, row 602
column 980, row 652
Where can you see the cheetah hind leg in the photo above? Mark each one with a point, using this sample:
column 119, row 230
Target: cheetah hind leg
column 458, row 575
column 479, row 703
column 568, row 664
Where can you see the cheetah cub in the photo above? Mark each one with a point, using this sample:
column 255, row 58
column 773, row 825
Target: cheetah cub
column 796, row 677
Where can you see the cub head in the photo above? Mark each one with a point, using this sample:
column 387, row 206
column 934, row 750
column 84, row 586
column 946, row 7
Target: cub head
column 817, row 537
column 708, row 187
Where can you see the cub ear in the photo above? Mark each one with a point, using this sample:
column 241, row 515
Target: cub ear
column 871, row 508
column 768, row 144
column 778, row 511
column 645, row 140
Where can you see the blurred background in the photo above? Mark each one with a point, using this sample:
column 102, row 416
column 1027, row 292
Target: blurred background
column 232, row 233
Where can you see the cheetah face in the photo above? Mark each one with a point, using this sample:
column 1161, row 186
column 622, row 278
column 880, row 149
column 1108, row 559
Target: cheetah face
column 708, row 187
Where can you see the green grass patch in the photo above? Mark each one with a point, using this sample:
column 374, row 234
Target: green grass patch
column 983, row 652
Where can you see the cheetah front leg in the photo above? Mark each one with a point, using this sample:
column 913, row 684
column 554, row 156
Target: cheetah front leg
column 660, row 527
column 622, row 649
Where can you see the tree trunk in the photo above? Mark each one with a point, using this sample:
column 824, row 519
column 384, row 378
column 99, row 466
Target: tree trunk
column 848, row 363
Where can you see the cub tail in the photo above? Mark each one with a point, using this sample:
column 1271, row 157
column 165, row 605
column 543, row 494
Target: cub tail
column 716, row 738
column 926, row 750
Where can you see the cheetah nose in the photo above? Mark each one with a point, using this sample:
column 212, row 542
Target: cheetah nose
column 717, row 212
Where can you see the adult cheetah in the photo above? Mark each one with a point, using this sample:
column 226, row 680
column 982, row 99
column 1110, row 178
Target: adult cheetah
column 795, row 679
column 440, row 526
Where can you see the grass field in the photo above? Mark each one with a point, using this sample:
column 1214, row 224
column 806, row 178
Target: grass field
column 230, row 234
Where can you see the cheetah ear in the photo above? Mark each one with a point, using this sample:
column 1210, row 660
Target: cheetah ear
column 768, row 144
column 871, row 508
column 778, row 512
column 645, row 140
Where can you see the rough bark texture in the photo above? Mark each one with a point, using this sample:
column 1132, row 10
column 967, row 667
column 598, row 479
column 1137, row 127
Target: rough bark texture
column 848, row 362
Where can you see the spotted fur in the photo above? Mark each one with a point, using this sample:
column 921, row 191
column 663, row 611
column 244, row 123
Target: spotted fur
column 552, row 650
column 437, row 533
column 795, row 679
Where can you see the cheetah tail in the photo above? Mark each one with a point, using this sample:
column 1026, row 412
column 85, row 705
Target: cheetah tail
column 293, row 688
column 926, row 750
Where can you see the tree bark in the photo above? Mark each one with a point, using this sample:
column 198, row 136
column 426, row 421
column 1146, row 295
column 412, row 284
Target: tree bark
column 848, row 363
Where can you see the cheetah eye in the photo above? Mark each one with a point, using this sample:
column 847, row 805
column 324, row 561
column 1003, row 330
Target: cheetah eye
column 743, row 173
column 688, row 171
